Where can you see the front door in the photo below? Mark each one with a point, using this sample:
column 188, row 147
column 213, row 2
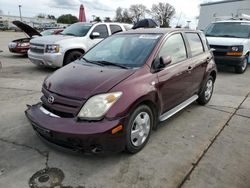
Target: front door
column 175, row 79
column 102, row 30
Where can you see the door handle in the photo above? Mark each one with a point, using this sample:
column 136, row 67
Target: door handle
column 189, row 69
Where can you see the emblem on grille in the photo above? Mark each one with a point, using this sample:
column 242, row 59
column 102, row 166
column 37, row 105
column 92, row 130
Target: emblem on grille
column 51, row 99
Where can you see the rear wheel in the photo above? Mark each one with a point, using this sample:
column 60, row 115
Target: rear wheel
column 207, row 92
column 242, row 68
column 72, row 56
column 139, row 129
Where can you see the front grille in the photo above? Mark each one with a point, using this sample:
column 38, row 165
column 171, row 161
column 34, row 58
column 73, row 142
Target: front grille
column 62, row 106
column 220, row 50
column 37, row 48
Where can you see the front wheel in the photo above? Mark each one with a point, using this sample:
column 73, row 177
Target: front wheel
column 242, row 68
column 207, row 92
column 139, row 129
column 72, row 56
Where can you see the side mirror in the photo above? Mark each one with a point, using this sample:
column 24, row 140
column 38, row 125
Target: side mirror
column 165, row 60
column 160, row 63
column 95, row 35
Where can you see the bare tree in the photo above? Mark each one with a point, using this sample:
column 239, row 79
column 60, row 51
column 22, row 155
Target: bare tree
column 163, row 12
column 137, row 12
column 123, row 15
column 118, row 14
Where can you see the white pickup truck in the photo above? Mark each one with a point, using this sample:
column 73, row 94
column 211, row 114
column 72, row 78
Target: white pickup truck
column 230, row 40
column 75, row 40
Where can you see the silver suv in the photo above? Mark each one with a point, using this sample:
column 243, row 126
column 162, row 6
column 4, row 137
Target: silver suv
column 59, row 50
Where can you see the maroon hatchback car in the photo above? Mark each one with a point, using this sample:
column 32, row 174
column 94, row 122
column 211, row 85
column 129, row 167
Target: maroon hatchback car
column 112, row 97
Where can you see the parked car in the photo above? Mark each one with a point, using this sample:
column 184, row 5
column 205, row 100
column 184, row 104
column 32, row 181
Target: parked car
column 231, row 41
column 75, row 40
column 111, row 98
column 3, row 27
column 21, row 46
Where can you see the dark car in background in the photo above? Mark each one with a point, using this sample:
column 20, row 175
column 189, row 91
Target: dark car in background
column 21, row 46
column 112, row 97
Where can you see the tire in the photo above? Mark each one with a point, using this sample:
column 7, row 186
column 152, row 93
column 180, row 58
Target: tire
column 141, row 133
column 207, row 92
column 242, row 68
column 72, row 56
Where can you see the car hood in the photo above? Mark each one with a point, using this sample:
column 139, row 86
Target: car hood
column 50, row 39
column 224, row 41
column 26, row 28
column 80, row 81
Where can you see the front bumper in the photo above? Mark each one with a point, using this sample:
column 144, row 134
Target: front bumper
column 81, row 136
column 46, row 59
column 19, row 50
column 229, row 60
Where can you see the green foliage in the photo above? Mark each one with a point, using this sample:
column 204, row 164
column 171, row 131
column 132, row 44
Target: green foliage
column 97, row 19
column 67, row 19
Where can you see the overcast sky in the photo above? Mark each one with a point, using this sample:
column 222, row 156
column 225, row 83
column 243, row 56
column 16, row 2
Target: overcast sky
column 185, row 10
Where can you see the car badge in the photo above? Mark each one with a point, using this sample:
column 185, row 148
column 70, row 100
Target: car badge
column 51, row 99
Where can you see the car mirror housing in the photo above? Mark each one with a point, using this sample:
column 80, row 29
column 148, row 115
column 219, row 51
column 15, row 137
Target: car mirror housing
column 165, row 60
column 95, row 35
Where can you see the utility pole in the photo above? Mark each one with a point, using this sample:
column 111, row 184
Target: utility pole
column 20, row 11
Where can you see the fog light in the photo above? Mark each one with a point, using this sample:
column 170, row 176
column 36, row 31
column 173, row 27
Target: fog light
column 117, row 129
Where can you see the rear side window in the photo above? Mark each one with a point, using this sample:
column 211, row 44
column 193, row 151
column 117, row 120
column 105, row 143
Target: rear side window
column 175, row 48
column 115, row 29
column 103, row 30
column 195, row 43
column 205, row 42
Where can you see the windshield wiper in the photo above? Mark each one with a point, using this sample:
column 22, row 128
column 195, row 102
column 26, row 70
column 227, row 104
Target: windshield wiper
column 92, row 62
column 228, row 36
column 110, row 63
column 71, row 34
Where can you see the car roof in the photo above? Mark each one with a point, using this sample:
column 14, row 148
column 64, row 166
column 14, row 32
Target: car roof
column 232, row 21
column 157, row 31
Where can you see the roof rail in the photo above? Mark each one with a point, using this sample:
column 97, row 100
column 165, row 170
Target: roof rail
column 237, row 17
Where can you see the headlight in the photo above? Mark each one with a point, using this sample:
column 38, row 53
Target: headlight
column 52, row 48
column 96, row 107
column 236, row 48
column 24, row 44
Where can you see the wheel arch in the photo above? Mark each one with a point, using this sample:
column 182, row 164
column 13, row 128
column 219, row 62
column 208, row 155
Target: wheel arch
column 146, row 100
column 71, row 50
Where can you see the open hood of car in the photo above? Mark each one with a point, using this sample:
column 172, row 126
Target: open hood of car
column 26, row 28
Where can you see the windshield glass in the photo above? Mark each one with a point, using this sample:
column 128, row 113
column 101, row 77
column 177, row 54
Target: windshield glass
column 229, row 29
column 130, row 50
column 77, row 29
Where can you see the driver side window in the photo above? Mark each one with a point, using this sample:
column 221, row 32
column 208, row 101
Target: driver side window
column 102, row 29
column 175, row 48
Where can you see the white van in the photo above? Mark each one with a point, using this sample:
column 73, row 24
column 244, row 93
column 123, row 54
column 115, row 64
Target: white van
column 230, row 40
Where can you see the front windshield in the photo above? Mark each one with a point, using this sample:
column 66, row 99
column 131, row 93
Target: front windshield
column 77, row 29
column 229, row 29
column 129, row 50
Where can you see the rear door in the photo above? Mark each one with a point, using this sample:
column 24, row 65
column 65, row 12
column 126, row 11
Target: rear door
column 115, row 28
column 199, row 56
column 175, row 79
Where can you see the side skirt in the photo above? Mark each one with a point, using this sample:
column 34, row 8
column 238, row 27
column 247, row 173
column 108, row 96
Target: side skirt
column 178, row 108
